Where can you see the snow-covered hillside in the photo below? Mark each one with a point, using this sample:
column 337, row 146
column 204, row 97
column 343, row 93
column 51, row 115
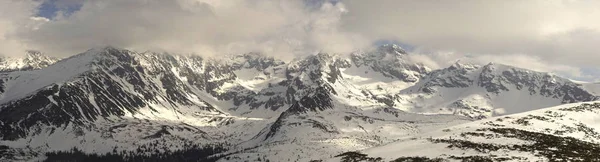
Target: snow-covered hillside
column 562, row 133
column 116, row 101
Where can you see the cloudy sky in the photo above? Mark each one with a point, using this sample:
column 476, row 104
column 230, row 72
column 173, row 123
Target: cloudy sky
column 557, row 36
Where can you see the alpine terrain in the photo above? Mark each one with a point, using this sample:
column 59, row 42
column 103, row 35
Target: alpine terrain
column 112, row 104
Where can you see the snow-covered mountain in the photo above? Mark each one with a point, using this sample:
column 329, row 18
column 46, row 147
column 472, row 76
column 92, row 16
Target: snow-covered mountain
column 121, row 102
column 31, row 61
column 493, row 89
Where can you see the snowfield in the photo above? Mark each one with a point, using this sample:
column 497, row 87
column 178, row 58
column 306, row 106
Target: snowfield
column 577, row 121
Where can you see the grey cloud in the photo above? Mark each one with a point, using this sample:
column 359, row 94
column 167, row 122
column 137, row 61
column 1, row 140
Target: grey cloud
column 559, row 31
column 555, row 35
column 278, row 27
column 15, row 16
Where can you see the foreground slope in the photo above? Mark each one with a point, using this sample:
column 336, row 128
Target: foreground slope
column 563, row 133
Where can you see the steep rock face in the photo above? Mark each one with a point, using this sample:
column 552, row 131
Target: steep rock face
column 254, row 61
column 116, row 82
column 310, row 87
column 455, row 76
column 313, row 72
column 258, row 83
column 391, row 61
column 495, row 77
column 319, row 101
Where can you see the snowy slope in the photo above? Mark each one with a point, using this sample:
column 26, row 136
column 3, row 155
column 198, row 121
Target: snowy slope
column 567, row 132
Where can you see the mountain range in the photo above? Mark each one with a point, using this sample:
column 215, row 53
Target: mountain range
column 369, row 105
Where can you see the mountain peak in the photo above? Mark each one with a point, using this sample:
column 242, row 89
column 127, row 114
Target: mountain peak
column 389, row 52
column 106, row 47
column 391, row 49
column 104, row 53
column 34, row 53
column 31, row 61
column 253, row 60
column 320, row 59
column 460, row 65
